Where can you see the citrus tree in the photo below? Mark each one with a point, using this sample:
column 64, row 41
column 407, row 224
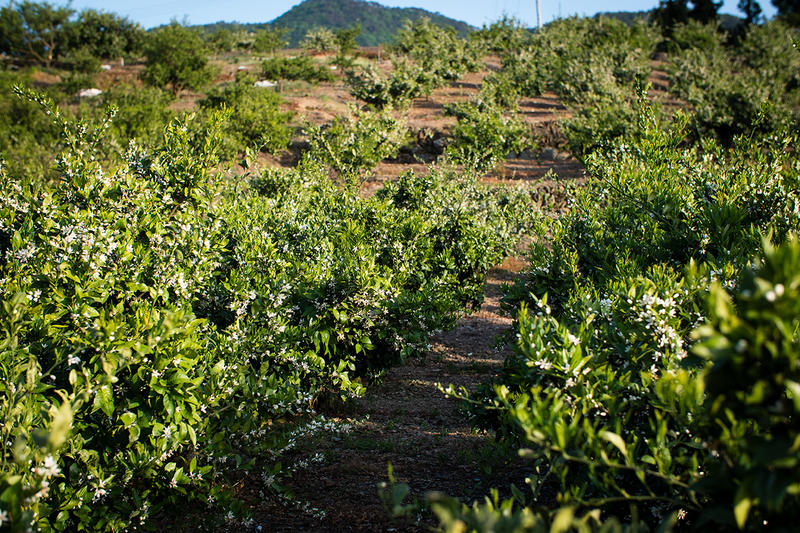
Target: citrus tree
column 176, row 58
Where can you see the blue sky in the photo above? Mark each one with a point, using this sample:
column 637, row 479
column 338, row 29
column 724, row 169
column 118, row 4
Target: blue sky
column 151, row 13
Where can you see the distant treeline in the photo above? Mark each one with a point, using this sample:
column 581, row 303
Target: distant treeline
column 726, row 22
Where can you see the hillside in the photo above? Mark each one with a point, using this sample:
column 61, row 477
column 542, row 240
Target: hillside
column 378, row 23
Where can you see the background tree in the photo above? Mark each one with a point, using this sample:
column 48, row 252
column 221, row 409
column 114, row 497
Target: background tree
column 222, row 40
column 177, row 58
column 319, row 40
column 97, row 36
column 30, row 31
column 751, row 10
column 345, row 39
column 10, row 32
column 270, row 39
column 670, row 13
column 704, row 11
column 788, row 11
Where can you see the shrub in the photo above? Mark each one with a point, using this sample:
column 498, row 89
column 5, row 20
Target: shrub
column 142, row 114
column 503, row 36
column 82, row 60
column 319, row 40
column 256, row 120
column 293, row 69
column 593, row 66
column 475, row 225
column 500, row 90
column 694, row 35
column 405, row 82
column 608, row 388
column 709, row 445
column 270, row 39
column 29, row 140
column 727, row 88
column 352, row 145
column 176, row 58
column 106, row 315
column 566, row 48
column 437, row 50
column 346, row 44
column 485, row 133
column 96, row 35
column 609, row 120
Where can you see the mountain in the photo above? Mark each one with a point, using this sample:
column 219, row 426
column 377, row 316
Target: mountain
column 378, row 23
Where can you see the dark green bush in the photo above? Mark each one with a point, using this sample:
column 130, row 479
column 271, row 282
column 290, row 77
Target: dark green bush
column 485, row 133
column 256, row 119
column 694, row 35
column 295, row 68
column 352, row 145
column 729, row 87
column 608, row 390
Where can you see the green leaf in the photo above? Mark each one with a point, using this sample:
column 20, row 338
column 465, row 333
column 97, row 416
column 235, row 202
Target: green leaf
column 794, row 389
column 518, row 494
column 127, row 419
column 562, row 522
column 61, row 424
column 133, row 433
column 192, row 434
column 742, row 504
column 399, row 492
column 104, row 400
column 169, row 405
column 616, row 440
